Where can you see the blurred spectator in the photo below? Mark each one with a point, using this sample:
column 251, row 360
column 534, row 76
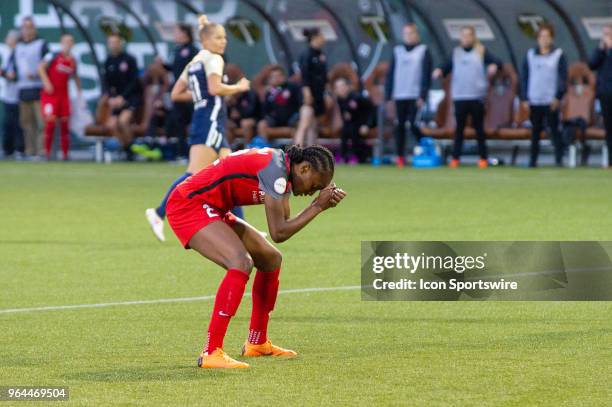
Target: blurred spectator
column 12, row 141
column 601, row 61
column 179, row 117
column 543, row 84
column 282, row 101
column 357, row 112
column 407, row 84
column 56, row 70
column 244, row 110
column 158, row 85
column 121, row 85
column 313, row 67
column 156, row 88
column 470, row 64
column 29, row 51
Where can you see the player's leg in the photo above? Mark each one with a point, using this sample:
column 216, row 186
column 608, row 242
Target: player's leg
column 606, row 109
column 124, row 127
column 26, row 121
column 401, row 109
column 414, row 128
column 267, row 260
column 312, row 134
column 200, row 156
column 461, row 112
column 536, row 116
column 50, row 125
column 218, row 243
column 113, row 124
column 65, row 137
column 38, row 124
column 477, row 112
column 64, row 116
column 552, row 119
column 305, row 122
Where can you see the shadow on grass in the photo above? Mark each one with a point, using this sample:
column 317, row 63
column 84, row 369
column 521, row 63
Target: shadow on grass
column 179, row 373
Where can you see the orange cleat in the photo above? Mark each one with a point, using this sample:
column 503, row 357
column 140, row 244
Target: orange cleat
column 219, row 360
column 454, row 163
column 483, row 163
column 266, row 349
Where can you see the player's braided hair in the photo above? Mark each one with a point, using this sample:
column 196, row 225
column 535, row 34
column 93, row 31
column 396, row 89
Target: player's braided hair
column 319, row 157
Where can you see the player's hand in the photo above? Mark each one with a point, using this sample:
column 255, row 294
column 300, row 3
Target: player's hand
column 525, row 105
column 364, row 130
column 49, row 88
column 11, row 76
column 491, row 69
column 437, row 73
column 329, row 197
column 307, row 96
column 420, row 103
column 244, row 84
column 338, row 195
column 554, row 105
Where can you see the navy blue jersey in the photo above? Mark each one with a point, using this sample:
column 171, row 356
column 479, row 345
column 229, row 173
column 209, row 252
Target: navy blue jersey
column 208, row 123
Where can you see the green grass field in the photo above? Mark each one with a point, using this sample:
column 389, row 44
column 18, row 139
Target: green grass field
column 76, row 234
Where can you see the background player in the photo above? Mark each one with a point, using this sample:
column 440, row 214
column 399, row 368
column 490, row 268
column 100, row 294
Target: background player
column 122, row 90
column 202, row 83
column 313, row 67
column 407, row 85
column 543, row 84
column 471, row 64
column 198, row 212
column 55, row 71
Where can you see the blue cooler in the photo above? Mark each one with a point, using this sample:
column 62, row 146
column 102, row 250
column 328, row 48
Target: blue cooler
column 426, row 154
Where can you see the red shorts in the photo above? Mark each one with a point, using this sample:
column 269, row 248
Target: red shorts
column 187, row 216
column 54, row 105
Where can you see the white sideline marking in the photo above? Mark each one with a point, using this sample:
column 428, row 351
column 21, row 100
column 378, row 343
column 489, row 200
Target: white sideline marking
column 166, row 300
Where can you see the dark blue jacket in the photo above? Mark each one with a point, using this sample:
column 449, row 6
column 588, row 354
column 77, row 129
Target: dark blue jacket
column 601, row 61
column 183, row 54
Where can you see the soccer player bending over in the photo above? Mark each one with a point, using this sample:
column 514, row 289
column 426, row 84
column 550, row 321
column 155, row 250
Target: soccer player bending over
column 198, row 211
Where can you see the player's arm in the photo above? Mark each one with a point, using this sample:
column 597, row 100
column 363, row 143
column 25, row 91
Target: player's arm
column 216, row 86
column 42, row 72
column 180, row 91
column 282, row 226
column 214, row 75
column 77, row 79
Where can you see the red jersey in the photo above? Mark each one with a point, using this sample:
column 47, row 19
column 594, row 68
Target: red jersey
column 242, row 178
column 60, row 69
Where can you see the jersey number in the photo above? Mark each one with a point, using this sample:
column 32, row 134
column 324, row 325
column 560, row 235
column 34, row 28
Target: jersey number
column 194, row 84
